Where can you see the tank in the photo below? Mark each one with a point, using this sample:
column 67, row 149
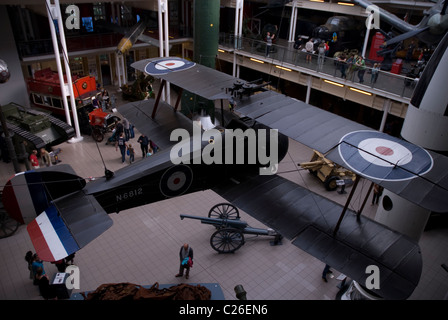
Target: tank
column 38, row 129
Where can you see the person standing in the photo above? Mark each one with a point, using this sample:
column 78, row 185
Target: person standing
column 45, row 156
column 121, row 143
column 309, row 47
column 269, row 39
column 186, row 260
column 375, row 72
column 361, row 66
column 321, row 56
column 342, row 65
column 131, row 153
column 33, row 160
column 144, row 141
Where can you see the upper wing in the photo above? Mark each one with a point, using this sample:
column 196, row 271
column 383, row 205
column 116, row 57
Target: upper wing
column 403, row 168
column 198, row 79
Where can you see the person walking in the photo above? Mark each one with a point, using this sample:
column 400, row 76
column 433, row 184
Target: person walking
column 144, row 141
column 125, row 123
column 186, row 260
column 121, row 143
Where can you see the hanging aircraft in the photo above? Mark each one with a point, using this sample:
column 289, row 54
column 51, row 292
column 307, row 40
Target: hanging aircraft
column 430, row 30
column 64, row 213
column 132, row 34
column 341, row 32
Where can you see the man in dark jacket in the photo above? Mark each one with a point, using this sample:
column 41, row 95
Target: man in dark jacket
column 186, row 260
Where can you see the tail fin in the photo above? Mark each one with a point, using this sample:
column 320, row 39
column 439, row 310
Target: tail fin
column 67, row 225
column 29, row 193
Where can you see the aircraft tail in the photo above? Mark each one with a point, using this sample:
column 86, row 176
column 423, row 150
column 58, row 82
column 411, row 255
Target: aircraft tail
column 67, row 225
column 29, row 193
column 61, row 218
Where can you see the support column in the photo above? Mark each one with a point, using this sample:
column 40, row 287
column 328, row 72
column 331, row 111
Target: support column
column 308, row 89
column 238, row 32
column 293, row 22
column 68, row 72
column 386, row 108
column 58, row 62
column 366, row 38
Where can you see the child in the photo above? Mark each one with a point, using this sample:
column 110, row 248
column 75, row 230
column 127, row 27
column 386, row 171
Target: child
column 131, row 153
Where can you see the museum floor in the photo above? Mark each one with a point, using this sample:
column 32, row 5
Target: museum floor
column 143, row 244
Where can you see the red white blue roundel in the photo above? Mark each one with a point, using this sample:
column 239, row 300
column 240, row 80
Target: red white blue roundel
column 176, row 180
column 379, row 156
column 167, row 65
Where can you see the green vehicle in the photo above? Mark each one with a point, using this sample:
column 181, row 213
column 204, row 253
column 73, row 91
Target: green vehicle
column 38, row 129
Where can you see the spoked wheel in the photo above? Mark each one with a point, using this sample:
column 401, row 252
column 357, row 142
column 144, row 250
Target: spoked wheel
column 227, row 240
column 7, row 225
column 224, row 211
column 97, row 134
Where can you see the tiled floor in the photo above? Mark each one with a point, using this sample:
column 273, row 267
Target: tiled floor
column 142, row 245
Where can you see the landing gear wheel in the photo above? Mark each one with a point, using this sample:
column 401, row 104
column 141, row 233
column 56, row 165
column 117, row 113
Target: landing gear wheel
column 227, row 240
column 7, row 225
column 224, row 211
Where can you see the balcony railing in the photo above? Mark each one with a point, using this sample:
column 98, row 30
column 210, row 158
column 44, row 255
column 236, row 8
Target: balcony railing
column 387, row 82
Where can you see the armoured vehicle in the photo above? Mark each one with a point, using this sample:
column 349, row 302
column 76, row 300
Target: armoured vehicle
column 36, row 128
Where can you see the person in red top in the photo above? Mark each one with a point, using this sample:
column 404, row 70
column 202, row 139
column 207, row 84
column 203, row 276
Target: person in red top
column 34, row 161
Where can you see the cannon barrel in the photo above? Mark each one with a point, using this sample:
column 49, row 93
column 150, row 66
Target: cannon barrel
column 237, row 224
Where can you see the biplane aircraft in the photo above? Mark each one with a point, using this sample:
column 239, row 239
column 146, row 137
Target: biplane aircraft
column 71, row 213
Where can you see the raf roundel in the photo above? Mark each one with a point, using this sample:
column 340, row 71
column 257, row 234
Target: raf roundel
column 379, row 156
column 176, row 180
column 164, row 66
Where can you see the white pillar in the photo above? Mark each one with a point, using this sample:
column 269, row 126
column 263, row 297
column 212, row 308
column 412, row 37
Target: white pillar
column 68, row 73
column 366, row 38
column 308, row 89
column 118, row 68
column 160, row 22
column 386, row 108
column 238, row 31
column 167, row 45
column 58, row 63
column 293, row 22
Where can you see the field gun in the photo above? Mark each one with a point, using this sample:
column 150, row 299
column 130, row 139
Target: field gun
column 230, row 232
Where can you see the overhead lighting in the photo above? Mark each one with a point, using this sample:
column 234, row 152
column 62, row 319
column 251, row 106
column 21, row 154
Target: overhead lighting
column 334, row 83
column 361, row 91
column 256, row 60
column 220, row 50
column 283, row 68
column 346, row 4
column 317, row 0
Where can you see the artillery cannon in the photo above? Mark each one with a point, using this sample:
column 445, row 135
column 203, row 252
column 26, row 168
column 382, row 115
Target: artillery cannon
column 328, row 171
column 230, row 232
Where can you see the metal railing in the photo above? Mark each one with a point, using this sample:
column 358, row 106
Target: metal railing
column 387, row 82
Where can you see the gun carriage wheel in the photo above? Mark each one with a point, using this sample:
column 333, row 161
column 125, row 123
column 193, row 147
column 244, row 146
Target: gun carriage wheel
column 227, row 240
column 224, row 211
